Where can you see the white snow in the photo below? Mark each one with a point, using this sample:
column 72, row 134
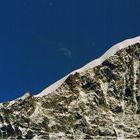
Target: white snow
column 37, row 113
column 104, row 86
column 92, row 64
column 1, row 106
column 26, row 95
column 36, row 137
column 83, row 95
column 11, row 103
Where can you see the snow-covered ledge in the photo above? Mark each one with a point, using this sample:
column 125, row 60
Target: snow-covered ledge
column 92, row 64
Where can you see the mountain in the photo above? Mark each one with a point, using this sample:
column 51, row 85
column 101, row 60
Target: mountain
column 99, row 101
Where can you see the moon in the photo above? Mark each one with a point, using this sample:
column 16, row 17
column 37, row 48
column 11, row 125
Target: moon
column 66, row 52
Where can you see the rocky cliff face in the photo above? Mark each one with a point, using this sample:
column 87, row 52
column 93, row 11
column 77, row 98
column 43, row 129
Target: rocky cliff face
column 100, row 102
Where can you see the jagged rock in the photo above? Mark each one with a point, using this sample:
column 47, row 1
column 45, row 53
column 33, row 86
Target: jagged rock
column 99, row 101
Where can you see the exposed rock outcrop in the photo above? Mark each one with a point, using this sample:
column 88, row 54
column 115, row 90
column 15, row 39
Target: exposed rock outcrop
column 100, row 102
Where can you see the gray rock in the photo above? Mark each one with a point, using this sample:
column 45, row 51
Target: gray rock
column 102, row 102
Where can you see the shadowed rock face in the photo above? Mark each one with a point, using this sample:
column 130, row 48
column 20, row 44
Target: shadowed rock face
column 101, row 102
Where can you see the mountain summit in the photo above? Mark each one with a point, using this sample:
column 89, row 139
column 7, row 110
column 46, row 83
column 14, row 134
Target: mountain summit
column 100, row 100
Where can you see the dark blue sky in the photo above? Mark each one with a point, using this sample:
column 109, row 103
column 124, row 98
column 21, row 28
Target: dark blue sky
column 43, row 40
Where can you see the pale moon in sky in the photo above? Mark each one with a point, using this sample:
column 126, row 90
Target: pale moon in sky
column 66, row 52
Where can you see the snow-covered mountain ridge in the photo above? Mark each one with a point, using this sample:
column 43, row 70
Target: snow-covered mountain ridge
column 93, row 63
column 99, row 101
